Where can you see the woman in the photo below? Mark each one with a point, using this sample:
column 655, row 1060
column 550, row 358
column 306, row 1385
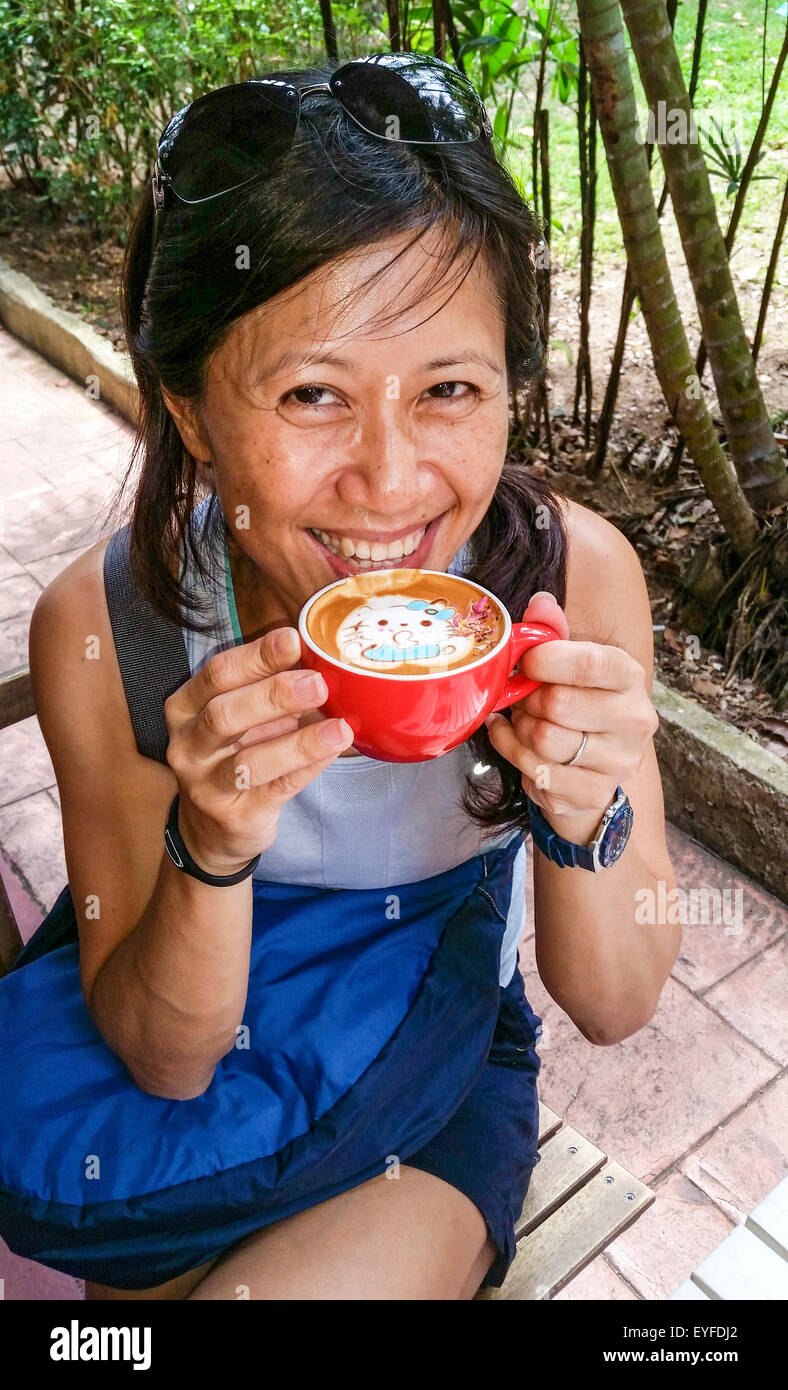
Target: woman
column 327, row 317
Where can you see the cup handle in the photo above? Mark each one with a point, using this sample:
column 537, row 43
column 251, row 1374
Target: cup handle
column 524, row 635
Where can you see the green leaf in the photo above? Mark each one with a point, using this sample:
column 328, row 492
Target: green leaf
column 483, row 41
column 562, row 347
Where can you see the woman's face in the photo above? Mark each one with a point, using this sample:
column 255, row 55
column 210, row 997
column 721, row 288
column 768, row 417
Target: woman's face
column 315, row 418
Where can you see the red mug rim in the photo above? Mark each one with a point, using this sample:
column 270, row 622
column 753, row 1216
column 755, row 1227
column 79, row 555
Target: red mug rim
column 390, row 675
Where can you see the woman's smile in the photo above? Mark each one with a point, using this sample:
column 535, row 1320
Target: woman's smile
column 346, row 564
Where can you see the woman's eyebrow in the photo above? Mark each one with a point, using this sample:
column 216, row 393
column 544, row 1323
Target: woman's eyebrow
column 291, row 361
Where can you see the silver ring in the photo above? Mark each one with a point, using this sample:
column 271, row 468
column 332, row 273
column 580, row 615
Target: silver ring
column 577, row 754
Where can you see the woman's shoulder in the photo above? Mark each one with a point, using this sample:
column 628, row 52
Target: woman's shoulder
column 606, row 593
column 69, row 630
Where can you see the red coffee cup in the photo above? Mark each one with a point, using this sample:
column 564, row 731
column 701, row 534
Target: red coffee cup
column 409, row 719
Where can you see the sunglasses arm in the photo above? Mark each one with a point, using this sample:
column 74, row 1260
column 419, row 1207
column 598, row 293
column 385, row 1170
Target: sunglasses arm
column 158, row 184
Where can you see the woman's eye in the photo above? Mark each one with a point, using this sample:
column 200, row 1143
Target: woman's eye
column 310, row 396
column 445, row 391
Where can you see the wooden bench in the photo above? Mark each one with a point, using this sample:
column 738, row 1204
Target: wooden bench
column 578, row 1200
column 577, row 1203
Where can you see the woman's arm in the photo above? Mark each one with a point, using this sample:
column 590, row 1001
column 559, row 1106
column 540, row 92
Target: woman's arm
column 164, row 959
column 603, row 966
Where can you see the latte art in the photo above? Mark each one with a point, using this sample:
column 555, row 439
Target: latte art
column 405, row 622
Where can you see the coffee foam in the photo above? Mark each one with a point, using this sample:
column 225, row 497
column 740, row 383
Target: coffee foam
column 405, row 622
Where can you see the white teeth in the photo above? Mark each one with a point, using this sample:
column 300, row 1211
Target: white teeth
column 376, row 553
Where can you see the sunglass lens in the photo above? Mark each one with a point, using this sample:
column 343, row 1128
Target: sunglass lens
column 227, row 136
column 408, row 96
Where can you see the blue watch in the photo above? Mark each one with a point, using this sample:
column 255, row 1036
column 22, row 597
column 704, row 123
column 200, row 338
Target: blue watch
column 606, row 846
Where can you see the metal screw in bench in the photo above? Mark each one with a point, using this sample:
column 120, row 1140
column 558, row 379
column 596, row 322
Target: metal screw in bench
column 609, row 1178
column 572, row 1149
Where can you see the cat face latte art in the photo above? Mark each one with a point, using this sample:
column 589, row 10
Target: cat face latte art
column 409, row 626
column 414, row 660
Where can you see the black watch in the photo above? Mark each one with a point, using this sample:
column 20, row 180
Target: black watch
column 606, row 845
column 180, row 856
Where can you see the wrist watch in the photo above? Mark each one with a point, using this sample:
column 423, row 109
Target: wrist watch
column 606, row 845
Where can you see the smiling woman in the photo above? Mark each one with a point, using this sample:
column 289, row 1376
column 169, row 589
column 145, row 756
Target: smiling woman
column 303, row 978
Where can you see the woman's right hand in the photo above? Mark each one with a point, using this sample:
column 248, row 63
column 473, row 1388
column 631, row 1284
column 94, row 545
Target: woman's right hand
column 237, row 750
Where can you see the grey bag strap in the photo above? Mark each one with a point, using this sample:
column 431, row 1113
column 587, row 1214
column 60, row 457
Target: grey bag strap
column 151, row 650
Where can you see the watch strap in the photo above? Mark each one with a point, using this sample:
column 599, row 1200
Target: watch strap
column 563, row 852
column 182, row 859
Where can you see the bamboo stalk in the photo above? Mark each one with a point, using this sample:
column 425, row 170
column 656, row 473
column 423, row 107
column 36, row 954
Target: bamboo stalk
column 586, row 128
column 392, row 10
column 770, row 274
column 748, row 171
column 439, row 28
column 756, row 456
column 628, row 294
column 606, row 54
column 544, row 163
column 329, row 31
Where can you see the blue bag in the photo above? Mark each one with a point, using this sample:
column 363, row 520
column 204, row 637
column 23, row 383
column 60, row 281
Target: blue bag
column 354, row 1049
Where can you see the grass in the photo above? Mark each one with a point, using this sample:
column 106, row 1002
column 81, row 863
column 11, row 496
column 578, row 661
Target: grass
column 729, row 84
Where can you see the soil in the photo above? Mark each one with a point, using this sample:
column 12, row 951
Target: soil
column 665, row 523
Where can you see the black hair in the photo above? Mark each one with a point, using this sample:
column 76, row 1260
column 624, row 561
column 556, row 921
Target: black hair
column 337, row 189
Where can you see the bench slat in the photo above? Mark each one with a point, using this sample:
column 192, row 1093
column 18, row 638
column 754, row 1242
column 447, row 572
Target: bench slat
column 559, row 1247
column 16, row 696
column 558, row 1176
column 549, row 1122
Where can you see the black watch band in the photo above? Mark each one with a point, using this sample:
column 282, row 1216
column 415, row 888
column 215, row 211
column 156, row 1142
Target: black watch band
column 180, row 856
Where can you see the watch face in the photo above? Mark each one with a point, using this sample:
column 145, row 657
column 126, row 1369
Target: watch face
column 616, row 835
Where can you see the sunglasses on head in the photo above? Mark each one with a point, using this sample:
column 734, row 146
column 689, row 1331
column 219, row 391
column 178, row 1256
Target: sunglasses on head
column 223, row 139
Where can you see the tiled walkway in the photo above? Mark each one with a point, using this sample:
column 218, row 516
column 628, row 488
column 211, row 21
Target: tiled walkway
column 696, row 1104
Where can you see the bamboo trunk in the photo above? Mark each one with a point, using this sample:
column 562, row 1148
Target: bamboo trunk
column 329, row 31
column 605, row 49
column 754, row 450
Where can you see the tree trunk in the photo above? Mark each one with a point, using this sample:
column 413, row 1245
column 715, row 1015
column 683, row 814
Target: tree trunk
column 439, row 29
column 754, row 450
column 329, row 32
column 395, row 40
column 605, row 49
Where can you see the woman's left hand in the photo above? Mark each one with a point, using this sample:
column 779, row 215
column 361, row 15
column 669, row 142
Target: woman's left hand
column 587, row 687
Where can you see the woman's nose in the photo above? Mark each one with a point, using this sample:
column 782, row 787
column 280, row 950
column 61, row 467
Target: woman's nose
column 387, row 461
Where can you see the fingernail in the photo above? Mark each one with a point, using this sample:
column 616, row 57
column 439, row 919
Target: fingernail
column 283, row 642
column 308, row 685
column 542, row 593
column 334, row 734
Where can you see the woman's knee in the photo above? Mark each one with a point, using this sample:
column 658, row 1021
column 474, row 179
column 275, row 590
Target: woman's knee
column 412, row 1238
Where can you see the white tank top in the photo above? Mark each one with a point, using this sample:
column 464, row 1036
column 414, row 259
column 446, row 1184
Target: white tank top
column 360, row 823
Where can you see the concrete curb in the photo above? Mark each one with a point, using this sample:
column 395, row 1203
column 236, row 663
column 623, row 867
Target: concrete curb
column 723, row 788
column 720, row 786
column 66, row 341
